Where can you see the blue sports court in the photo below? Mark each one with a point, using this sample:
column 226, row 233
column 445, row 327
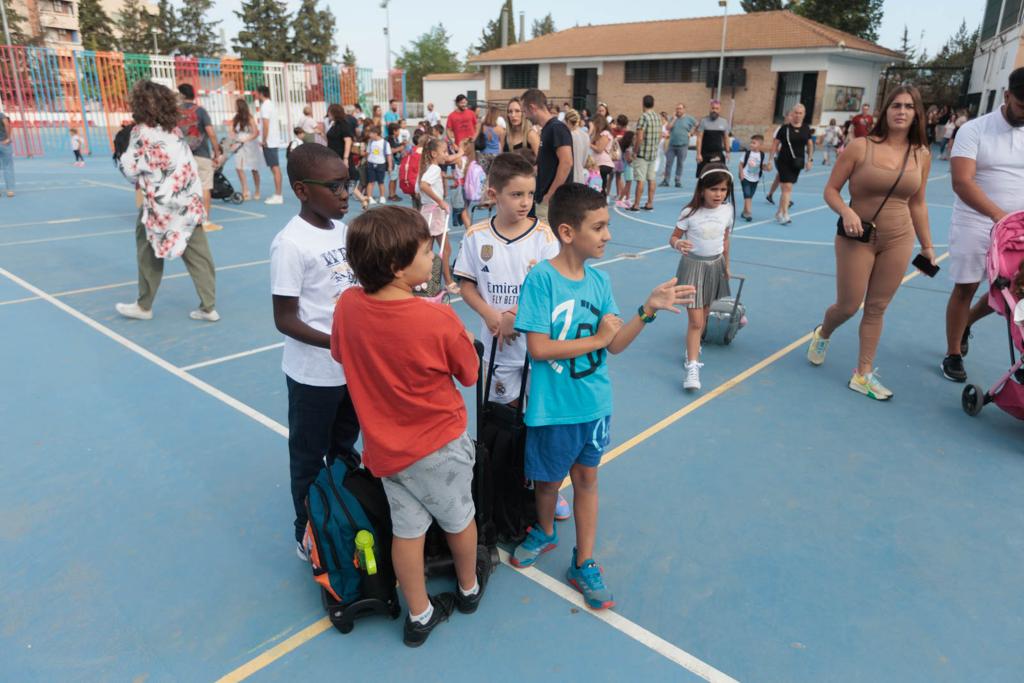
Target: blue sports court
column 775, row 527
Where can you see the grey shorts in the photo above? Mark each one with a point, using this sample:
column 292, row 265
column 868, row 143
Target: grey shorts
column 438, row 486
column 270, row 157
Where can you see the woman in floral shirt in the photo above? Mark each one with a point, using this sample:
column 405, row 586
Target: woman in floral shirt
column 158, row 160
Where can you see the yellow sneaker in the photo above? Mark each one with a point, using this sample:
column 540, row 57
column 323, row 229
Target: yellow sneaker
column 818, row 348
column 212, row 227
column 870, row 386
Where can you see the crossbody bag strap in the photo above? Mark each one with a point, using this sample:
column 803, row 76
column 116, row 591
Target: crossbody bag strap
column 892, row 189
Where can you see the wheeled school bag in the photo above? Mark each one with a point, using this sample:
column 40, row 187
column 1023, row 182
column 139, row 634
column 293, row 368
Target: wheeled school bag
column 348, row 538
column 726, row 317
column 437, row 556
column 503, row 431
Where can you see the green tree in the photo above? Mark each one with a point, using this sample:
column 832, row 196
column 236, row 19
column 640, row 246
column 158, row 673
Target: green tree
column 15, row 24
column 197, row 34
column 264, row 33
column 760, row 5
column 133, row 25
column 862, row 18
column 490, row 38
column 96, row 27
column 168, row 28
column 427, row 54
column 543, row 26
column 313, row 34
column 349, row 57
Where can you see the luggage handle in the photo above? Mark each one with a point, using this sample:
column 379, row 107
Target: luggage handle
column 481, row 399
column 736, row 300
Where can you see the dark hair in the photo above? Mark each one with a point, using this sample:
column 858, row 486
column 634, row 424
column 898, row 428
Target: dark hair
column 439, row 129
column 416, row 136
column 758, row 137
column 336, row 112
column 187, row 91
column 917, row 135
column 263, row 90
column 711, row 174
column 393, row 129
column 305, row 160
column 1016, row 83
column 392, row 101
column 460, row 97
column 534, row 98
column 154, row 105
column 528, row 154
column 648, row 101
column 505, row 167
column 622, row 120
column 242, row 113
column 626, row 141
column 298, row 130
column 382, row 241
column 571, row 203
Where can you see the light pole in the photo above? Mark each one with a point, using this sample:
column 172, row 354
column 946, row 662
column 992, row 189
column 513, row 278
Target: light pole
column 152, row 32
column 721, row 57
column 14, row 71
column 387, row 43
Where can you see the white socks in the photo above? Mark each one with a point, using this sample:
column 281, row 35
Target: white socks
column 423, row 618
column 472, row 591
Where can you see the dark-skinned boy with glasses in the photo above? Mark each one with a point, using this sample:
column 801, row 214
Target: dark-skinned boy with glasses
column 308, row 272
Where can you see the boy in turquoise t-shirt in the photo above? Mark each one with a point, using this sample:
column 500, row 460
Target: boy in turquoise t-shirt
column 568, row 313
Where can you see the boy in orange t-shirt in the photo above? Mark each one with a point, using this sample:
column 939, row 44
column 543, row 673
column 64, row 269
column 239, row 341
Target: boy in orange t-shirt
column 400, row 353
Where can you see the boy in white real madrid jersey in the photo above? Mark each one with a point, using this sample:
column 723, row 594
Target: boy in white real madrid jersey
column 495, row 256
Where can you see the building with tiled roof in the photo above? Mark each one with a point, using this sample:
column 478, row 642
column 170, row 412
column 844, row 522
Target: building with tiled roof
column 772, row 61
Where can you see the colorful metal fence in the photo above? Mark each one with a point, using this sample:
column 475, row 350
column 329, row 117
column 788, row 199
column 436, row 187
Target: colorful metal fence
column 46, row 93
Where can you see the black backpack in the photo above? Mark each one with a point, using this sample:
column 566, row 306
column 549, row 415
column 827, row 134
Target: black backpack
column 121, row 141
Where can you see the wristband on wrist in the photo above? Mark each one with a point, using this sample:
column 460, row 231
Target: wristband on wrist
column 643, row 315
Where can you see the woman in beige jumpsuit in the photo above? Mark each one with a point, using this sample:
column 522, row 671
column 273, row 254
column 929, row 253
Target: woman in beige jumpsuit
column 870, row 273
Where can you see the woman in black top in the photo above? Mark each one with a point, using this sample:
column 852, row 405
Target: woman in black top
column 339, row 135
column 794, row 151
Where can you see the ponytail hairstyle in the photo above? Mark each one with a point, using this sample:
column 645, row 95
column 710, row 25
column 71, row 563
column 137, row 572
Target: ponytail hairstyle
column 431, row 146
column 712, row 174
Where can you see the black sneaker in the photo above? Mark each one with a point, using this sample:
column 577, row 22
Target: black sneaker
column 467, row 604
column 953, row 369
column 416, row 633
column 678, row 184
column 768, row 198
column 965, row 341
column 663, row 183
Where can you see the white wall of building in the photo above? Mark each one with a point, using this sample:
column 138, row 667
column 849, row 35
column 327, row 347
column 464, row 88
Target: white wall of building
column 840, row 71
column 993, row 63
column 443, row 93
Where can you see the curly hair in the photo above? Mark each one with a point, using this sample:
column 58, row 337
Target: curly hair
column 154, row 105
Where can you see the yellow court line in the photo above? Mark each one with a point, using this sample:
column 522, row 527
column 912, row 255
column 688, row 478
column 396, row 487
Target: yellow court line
column 716, row 392
column 275, row 653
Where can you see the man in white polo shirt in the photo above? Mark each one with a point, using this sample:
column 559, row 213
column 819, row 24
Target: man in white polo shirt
column 987, row 165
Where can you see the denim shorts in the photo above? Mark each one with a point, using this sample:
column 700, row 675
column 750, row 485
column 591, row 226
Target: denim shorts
column 749, row 188
column 376, row 173
column 270, row 157
column 552, row 450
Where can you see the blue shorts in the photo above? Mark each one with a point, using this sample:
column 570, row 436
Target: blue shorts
column 749, row 188
column 376, row 173
column 552, row 450
column 270, row 157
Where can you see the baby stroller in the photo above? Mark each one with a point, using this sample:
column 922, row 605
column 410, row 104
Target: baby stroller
column 222, row 187
column 1005, row 256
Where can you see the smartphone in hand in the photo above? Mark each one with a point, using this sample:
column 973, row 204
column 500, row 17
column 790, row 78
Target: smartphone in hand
column 925, row 266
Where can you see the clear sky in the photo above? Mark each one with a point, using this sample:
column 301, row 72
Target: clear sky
column 361, row 25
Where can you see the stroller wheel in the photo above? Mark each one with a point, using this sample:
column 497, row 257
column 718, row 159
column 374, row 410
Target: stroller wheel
column 236, row 198
column 973, row 399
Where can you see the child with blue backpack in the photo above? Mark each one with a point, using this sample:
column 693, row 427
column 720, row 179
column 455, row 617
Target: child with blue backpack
column 571, row 321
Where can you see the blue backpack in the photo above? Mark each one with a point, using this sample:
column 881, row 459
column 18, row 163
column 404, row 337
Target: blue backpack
column 347, row 507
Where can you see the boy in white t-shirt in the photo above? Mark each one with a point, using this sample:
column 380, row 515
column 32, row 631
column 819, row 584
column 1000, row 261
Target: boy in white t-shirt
column 752, row 165
column 308, row 273
column 494, row 258
column 379, row 161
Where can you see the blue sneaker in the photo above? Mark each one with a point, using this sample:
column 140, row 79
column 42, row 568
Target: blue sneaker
column 588, row 581
column 533, row 546
column 562, row 509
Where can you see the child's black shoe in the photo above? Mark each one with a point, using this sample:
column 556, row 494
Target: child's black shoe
column 467, row 604
column 416, row 633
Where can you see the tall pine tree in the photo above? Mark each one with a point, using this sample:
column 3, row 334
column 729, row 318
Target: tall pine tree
column 264, row 33
column 490, row 38
column 313, row 34
column 168, row 28
column 198, row 34
column 543, row 26
column 96, row 27
column 17, row 25
column 133, row 25
column 862, row 18
column 349, row 57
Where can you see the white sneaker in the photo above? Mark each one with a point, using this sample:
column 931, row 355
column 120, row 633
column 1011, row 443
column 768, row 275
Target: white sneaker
column 133, row 310
column 382, row 201
column 371, row 201
column 301, row 551
column 274, row 199
column 200, row 314
column 692, row 381
column 779, row 218
column 786, row 220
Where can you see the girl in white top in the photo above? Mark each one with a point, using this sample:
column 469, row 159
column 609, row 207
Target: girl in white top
column 702, row 237
column 434, row 208
column 831, row 139
column 249, row 155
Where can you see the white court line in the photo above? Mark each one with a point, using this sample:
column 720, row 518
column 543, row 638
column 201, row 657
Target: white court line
column 88, row 234
column 127, row 283
column 623, row 625
column 233, row 356
column 616, row 621
column 128, row 188
column 61, row 221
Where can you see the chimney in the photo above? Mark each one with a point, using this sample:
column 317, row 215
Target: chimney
column 504, row 26
column 522, row 26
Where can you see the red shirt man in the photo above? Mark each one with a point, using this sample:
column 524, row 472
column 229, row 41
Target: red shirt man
column 462, row 121
column 863, row 122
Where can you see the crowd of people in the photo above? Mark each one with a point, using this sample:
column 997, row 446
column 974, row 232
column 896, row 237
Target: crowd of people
column 339, row 289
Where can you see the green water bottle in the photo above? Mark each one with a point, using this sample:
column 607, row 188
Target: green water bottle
column 364, row 552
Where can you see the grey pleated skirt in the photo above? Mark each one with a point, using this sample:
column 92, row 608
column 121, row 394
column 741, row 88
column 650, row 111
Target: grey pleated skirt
column 707, row 274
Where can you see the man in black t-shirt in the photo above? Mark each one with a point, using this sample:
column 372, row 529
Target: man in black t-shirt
column 554, row 159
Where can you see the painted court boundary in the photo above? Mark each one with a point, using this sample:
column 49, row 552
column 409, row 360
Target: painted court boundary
column 616, row 621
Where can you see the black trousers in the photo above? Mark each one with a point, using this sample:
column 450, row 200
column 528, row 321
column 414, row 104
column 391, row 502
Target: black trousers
column 321, row 420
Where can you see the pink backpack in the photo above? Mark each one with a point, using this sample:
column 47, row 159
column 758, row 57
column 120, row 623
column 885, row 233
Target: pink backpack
column 473, row 184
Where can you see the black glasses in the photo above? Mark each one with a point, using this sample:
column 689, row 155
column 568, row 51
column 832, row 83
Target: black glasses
column 335, row 186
